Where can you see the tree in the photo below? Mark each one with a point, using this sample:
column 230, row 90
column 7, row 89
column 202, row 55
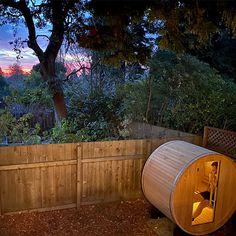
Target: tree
column 35, row 14
column 220, row 54
column 16, row 70
column 4, row 87
column 191, row 23
column 186, row 94
column 177, row 22
column 66, row 18
column 120, row 28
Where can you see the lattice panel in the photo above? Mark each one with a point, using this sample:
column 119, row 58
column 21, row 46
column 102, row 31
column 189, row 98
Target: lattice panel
column 222, row 141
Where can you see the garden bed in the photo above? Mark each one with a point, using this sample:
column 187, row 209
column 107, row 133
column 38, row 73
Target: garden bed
column 119, row 218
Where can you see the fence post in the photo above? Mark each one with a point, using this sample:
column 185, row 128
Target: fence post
column 205, row 136
column 79, row 174
column 1, row 211
column 149, row 147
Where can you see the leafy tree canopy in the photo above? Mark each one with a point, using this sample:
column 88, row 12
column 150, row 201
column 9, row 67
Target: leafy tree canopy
column 122, row 25
column 219, row 53
column 120, row 28
column 182, row 93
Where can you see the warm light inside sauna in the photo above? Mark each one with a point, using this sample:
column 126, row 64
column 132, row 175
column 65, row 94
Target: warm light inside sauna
column 205, row 193
column 207, row 215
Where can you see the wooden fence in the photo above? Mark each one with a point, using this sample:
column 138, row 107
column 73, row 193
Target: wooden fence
column 58, row 176
column 139, row 130
column 220, row 140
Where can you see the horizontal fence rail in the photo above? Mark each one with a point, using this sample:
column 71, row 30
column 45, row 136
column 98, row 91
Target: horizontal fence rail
column 59, row 176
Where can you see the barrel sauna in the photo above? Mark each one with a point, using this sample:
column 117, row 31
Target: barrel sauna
column 191, row 185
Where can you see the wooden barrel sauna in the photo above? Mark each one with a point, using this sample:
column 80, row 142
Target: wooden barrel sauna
column 191, row 185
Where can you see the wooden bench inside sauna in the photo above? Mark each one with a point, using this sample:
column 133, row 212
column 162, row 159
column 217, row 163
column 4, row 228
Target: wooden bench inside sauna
column 191, row 185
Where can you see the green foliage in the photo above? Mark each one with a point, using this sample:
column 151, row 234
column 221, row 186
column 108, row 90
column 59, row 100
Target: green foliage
column 136, row 97
column 18, row 130
column 180, row 24
column 36, row 91
column 191, row 24
column 65, row 132
column 220, row 54
column 186, row 94
column 92, row 117
column 7, row 123
column 119, row 29
column 4, row 91
column 97, row 116
column 33, row 92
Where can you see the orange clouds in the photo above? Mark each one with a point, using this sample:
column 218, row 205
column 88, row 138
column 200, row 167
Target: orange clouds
column 8, row 71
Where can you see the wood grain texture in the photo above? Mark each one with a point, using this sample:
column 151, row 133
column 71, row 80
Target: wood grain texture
column 169, row 178
column 79, row 173
column 51, row 176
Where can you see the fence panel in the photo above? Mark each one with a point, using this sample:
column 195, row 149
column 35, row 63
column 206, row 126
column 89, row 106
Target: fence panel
column 57, row 176
column 112, row 170
column 219, row 140
column 37, row 177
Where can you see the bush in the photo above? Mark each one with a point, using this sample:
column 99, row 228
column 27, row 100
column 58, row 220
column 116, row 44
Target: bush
column 185, row 94
column 97, row 116
column 18, row 130
column 64, row 132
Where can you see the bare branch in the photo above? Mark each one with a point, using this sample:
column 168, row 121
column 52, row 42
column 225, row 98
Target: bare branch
column 69, row 5
column 42, row 35
column 22, row 7
column 33, row 3
column 75, row 72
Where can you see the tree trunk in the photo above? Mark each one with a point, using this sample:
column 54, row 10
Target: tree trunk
column 49, row 75
column 59, row 105
column 149, row 99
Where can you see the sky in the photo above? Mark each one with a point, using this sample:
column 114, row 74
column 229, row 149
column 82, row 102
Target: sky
column 7, row 54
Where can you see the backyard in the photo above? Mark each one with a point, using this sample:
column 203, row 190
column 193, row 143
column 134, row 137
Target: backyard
column 135, row 217
column 109, row 106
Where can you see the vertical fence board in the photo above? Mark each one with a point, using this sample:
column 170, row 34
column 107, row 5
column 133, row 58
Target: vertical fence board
column 79, row 175
column 63, row 175
column 1, row 211
column 73, row 175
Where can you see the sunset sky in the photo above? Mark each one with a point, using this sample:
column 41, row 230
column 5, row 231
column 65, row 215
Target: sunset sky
column 7, row 54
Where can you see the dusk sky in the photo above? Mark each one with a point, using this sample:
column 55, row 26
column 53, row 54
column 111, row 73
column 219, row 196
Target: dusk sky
column 7, row 54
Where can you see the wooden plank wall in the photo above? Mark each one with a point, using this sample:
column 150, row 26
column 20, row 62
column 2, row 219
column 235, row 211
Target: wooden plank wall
column 37, row 177
column 140, row 130
column 57, row 176
column 112, row 170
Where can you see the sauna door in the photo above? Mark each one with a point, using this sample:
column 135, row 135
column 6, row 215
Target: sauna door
column 205, row 192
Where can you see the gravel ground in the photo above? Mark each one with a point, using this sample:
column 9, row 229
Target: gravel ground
column 119, row 218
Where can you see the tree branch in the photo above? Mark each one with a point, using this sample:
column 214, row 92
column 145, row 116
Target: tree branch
column 59, row 13
column 42, row 35
column 75, row 72
column 57, row 36
column 25, row 11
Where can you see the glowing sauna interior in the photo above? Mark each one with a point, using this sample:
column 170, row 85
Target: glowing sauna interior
column 191, row 185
